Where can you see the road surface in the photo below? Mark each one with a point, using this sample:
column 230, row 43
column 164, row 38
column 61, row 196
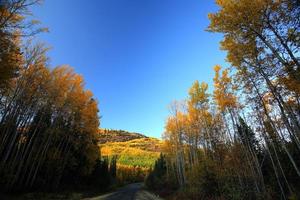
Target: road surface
column 133, row 191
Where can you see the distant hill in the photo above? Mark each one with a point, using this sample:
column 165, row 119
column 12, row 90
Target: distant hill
column 132, row 149
column 109, row 135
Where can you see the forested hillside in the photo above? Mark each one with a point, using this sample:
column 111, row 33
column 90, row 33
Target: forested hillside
column 48, row 119
column 135, row 154
column 240, row 139
column 109, row 135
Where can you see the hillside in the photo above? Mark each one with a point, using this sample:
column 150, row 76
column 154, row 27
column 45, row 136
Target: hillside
column 109, row 135
column 132, row 149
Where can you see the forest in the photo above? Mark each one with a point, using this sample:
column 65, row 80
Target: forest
column 237, row 139
column 48, row 120
column 49, row 123
column 240, row 140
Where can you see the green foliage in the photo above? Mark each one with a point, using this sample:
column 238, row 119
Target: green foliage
column 247, row 136
column 113, row 167
column 133, row 153
column 102, row 176
column 137, row 152
column 159, row 181
column 157, row 177
column 136, row 157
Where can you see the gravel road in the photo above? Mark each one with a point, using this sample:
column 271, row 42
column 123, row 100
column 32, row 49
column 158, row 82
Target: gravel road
column 130, row 192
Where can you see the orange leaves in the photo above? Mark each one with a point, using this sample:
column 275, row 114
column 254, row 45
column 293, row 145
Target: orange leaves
column 291, row 82
column 11, row 59
column 70, row 94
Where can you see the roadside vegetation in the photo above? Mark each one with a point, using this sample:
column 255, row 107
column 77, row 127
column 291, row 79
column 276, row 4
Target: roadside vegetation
column 48, row 119
column 240, row 140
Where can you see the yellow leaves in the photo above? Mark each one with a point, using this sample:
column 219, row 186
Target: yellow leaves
column 126, row 174
column 198, row 98
column 224, row 90
column 217, row 68
column 175, row 122
column 11, row 17
column 198, row 92
column 136, row 145
column 106, row 151
column 234, row 13
column 239, row 21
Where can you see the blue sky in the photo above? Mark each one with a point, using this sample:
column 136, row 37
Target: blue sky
column 136, row 56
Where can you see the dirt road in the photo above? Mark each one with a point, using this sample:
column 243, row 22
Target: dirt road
column 130, row 192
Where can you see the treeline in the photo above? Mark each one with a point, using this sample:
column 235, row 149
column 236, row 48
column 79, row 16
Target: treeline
column 242, row 141
column 134, row 157
column 130, row 174
column 48, row 120
column 110, row 135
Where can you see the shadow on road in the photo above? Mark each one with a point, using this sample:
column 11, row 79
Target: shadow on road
column 133, row 191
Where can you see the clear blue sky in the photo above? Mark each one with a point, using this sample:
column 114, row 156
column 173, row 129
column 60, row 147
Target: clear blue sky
column 136, row 56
